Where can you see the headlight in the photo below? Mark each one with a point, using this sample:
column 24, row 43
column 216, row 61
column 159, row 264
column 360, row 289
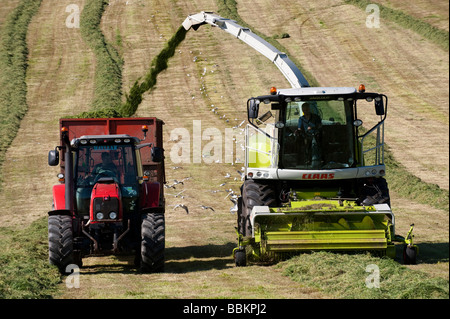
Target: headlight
column 112, row 215
column 99, row 215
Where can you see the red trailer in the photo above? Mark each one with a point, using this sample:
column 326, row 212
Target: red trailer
column 111, row 197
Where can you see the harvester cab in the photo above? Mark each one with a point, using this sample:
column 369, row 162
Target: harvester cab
column 314, row 175
column 110, row 199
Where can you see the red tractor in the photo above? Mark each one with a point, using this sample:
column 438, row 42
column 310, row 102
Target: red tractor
column 110, row 199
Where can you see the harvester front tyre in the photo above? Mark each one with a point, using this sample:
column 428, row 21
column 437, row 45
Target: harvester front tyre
column 60, row 241
column 240, row 258
column 253, row 194
column 153, row 243
column 409, row 255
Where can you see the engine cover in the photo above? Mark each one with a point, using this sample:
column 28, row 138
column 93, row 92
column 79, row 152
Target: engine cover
column 106, row 203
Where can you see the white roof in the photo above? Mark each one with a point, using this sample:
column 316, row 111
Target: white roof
column 317, row 91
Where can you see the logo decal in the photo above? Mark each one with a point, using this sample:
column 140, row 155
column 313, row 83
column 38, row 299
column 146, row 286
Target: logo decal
column 318, row 176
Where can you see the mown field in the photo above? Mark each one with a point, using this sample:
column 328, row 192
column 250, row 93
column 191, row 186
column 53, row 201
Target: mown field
column 128, row 59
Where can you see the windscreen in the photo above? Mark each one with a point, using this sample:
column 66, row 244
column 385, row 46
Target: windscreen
column 113, row 161
column 116, row 162
column 317, row 135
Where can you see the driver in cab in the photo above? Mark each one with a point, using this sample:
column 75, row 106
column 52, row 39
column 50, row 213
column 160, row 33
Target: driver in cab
column 310, row 123
column 105, row 165
column 309, row 127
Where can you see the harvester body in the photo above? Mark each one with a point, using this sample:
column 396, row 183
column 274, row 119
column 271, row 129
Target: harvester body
column 314, row 176
column 110, row 198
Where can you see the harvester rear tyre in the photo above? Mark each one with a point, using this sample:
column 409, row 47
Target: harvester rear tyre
column 253, row 194
column 60, row 241
column 153, row 243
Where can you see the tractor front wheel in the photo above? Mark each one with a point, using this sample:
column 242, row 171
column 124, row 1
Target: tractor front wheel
column 60, row 241
column 153, row 243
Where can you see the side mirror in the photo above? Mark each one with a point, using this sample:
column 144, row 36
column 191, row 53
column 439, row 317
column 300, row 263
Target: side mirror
column 53, row 158
column 253, row 108
column 157, row 154
column 379, row 106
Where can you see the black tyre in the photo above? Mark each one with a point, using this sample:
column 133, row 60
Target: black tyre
column 60, row 241
column 240, row 258
column 153, row 243
column 409, row 255
column 253, row 194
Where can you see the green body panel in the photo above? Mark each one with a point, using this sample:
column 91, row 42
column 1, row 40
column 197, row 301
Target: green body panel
column 259, row 151
column 321, row 225
column 313, row 206
column 321, row 221
column 304, row 195
column 311, row 240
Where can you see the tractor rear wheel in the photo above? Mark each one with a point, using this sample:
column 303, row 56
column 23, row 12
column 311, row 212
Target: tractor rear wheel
column 253, row 194
column 153, row 243
column 60, row 241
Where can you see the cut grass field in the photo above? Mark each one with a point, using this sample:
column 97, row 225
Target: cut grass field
column 13, row 66
column 425, row 29
column 25, row 271
column 198, row 254
column 353, row 277
column 108, row 73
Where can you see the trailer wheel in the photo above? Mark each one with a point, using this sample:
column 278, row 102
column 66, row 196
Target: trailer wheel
column 153, row 243
column 409, row 255
column 60, row 241
column 253, row 194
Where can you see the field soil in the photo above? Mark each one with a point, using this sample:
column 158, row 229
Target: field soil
column 211, row 69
